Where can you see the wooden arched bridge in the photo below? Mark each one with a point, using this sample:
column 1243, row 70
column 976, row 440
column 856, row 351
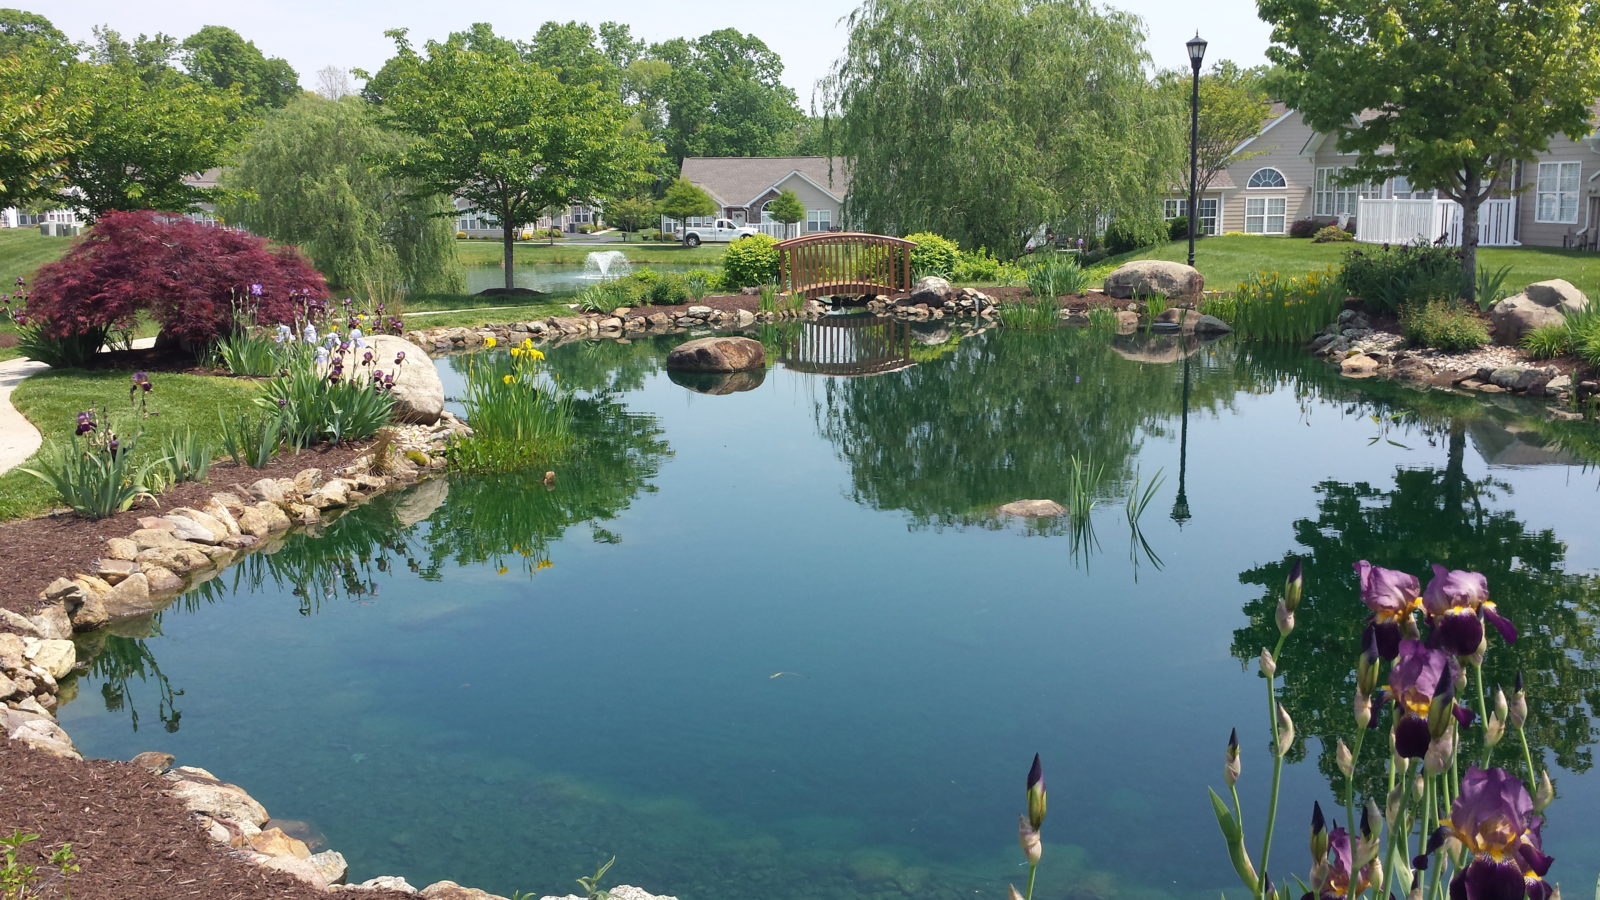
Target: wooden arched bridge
column 833, row 263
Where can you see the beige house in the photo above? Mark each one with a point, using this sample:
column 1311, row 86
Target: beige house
column 1551, row 202
column 742, row 186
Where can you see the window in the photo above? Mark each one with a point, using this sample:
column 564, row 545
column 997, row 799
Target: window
column 1334, row 199
column 1267, row 178
column 1264, row 215
column 1171, row 209
column 1558, row 192
column 819, row 220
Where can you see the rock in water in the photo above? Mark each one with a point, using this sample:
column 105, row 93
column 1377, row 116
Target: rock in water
column 1148, row 277
column 717, row 354
column 1033, row 509
column 932, row 290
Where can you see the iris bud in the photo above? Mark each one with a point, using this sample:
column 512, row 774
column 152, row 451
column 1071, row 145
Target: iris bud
column 1285, row 619
column 1441, row 712
column 1012, row 893
column 1230, row 767
column 1501, row 708
column 1493, row 730
column 1294, row 586
column 1319, row 832
column 1363, row 709
column 1519, row 704
column 1392, row 802
column 1545, row 793
column 1036, row 795
column 1437, row 759
column 1285, row 731
column 1269, row 666
column 1028, row 837
column 1367, row 670
column 1342, row 757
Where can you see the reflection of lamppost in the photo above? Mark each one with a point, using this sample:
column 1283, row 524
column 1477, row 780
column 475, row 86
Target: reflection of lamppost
column 1197, row 53
column 1180, row 507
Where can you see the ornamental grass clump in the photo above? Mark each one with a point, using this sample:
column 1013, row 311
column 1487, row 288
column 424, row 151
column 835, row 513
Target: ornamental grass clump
column 1577, row 333
column 95, row 473
column 1443, row 325
column 1447, row 821
column 520, row 415
column 1272, row 307
column 339, row 394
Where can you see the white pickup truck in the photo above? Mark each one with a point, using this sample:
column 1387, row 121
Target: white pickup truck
column 723, row 230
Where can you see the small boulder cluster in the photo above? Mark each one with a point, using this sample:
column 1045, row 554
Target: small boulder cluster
column 932, row 297
column 619, row 322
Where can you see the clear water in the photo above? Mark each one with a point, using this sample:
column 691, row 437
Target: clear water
column 774, row 644
column 553, row 279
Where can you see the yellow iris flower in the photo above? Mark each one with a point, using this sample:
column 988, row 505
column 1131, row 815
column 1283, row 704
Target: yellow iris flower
column 508, row 379
column 489, row 342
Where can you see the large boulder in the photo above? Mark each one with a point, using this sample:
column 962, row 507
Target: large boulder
column 930, row 289
column 1148, row 277
column 418, row 392
column 1541, row 303
column 717, row 354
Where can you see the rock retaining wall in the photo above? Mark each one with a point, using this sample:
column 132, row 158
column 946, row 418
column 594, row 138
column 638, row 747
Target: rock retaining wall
column 142, row 572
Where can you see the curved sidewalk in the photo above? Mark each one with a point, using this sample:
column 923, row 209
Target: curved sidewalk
column 18, row 438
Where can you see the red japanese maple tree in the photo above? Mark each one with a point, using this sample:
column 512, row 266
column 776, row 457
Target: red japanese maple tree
column 197, row 281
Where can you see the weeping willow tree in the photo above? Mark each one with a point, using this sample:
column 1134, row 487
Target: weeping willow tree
column 983, row 120
column 303, row 178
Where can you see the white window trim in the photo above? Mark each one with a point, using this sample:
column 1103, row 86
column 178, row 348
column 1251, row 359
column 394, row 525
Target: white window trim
column 1558, row 193
column 1216, row 222
column 1265, row 214
column 816, row 216
column 1266, row 187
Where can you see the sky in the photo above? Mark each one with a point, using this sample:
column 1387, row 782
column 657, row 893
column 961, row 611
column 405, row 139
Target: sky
column 807, row 34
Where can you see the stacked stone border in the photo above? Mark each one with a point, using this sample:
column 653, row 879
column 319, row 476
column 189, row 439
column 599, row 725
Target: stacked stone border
column 142, row 572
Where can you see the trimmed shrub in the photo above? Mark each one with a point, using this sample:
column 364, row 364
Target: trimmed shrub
column 934, row 254
column 1128, row 235
column 1304, row 228
column 1444, row 325
column 1178, row 229
column 980, row 265
column 1388, row 278
column 198, row 282
column 1330, row 234
column 750, row 261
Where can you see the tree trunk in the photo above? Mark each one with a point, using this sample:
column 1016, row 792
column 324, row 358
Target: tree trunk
column 508, row 232
column 1471, row 199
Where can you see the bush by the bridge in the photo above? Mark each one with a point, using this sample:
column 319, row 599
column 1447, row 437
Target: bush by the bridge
column 750, row 261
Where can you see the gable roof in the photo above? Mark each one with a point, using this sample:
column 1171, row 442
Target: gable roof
column 741, row 180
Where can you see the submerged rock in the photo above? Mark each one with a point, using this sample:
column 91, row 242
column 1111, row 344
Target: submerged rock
column 719, row 383
column 1033, row 509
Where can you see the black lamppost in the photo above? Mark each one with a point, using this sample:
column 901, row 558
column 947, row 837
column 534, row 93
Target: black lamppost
column 1197, row 54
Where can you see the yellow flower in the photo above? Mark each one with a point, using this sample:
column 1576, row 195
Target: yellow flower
column 500, row 571
column 536, row 354
column 508, row 379
column 545, row 564
column 490, row 341
column 516, row 352
column 527, row 343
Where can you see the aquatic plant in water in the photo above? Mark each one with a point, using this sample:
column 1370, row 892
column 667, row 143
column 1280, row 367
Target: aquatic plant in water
column 519, row 415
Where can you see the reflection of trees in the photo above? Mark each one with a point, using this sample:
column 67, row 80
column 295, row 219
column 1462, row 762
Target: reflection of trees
column 117, row 661
column 1433, row 515
column 998, row 418
column 602, row 365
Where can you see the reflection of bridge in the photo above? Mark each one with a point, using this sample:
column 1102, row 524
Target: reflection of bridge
column 826, row 264
column 849, row 345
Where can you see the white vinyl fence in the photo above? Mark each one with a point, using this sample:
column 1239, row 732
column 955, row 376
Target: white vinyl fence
column 1380, row 221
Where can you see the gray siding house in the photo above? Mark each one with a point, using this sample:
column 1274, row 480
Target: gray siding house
column 742, row 186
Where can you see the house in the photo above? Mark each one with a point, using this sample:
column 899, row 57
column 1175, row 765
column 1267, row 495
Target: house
column 68, row 221
column 569, row 220
column 1550, row 202
column 742, row 186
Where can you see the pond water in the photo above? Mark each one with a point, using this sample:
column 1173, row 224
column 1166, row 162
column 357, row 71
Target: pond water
column 776, row 644
column 557, row 279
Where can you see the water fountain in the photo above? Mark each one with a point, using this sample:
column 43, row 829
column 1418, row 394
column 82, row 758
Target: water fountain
column 605, row 264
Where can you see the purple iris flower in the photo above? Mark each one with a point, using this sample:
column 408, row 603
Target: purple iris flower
column 255, row 290
column 1339, row 881
column 1391, row 596
column 1493, row 818
column 1454, row 602
column 86, row 422
column 141, row 381
column 1420, row 674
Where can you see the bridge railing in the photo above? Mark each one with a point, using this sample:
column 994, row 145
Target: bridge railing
column 821, row 265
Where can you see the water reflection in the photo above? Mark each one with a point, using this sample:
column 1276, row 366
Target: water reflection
column 850, row 346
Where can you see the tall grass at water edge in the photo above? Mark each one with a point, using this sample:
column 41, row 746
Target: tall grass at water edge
column 1577, row 334
column 1269, row 306
column 520, row 415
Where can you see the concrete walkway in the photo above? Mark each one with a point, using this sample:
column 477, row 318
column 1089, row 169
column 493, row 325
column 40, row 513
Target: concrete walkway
column 18, row 438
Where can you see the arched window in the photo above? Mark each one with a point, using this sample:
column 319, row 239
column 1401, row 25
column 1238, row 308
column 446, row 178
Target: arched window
column 1267, row 178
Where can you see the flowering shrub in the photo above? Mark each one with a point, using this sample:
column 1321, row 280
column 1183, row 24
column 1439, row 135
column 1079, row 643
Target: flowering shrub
column 195, row 280
column 338, row 391
column 1269, row 306
column 1304, row 228
column 1331, row 234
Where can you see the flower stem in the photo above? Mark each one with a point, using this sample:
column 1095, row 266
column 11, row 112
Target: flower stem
column 1527, row 757
column 1350, row 782
column 1277, row 768
column 1483, row 711
column 1033, row 869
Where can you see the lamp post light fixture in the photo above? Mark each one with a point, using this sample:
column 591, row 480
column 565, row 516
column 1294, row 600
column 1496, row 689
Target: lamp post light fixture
column 1197, row 55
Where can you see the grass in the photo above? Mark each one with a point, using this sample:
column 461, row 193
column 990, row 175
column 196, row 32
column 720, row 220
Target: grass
column 488, row 253
column 52, row 400
column 22, row 252
column 1226, row 261
column 474, row 311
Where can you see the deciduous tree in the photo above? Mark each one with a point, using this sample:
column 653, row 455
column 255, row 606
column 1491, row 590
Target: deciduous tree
column 38, row 127
column 219, row 57
column 1233, row 108
column 21, row 30
column 787, row 208
column 504, row 134
column 305, row 176
column 722, row 96
column 1451, row 94
column 630, row 213
column 685, row 200
column 984, row 119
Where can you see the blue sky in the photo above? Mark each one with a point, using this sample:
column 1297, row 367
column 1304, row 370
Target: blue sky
column 809, row 34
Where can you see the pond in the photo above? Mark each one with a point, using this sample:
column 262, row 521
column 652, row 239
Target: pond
column 562, row 279
column 777, row 644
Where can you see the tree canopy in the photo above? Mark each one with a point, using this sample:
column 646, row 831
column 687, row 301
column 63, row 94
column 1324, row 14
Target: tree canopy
column 984, row 119
column 505, row 134
column 723, row 96
column 21, row 30
column 219, row 57
column 304, row 177
column 38, row 127
column 787, row 208
column 1451, row 94
column 684, row 200
column 1234, row 105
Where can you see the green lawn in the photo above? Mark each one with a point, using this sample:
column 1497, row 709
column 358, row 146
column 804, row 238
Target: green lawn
column 52, row 400
column 488, row 253
column 23, row 250
column 471, row 310
column 1225, row 261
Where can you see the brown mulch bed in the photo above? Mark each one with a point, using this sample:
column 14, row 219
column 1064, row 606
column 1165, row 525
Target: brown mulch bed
column 132, row 840
column 35, row 552
column 723, row 302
